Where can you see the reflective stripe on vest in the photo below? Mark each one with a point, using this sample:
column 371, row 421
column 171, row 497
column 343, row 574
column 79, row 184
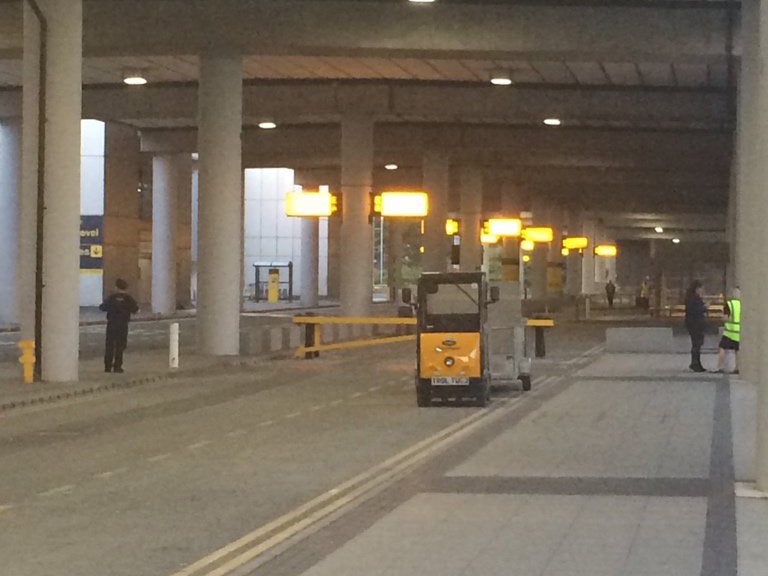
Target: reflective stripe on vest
column 732, row 328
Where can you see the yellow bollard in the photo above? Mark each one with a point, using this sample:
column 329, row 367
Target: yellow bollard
column 273, row 285
column 27, row 360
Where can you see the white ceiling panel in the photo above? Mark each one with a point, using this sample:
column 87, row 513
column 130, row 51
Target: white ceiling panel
column 623, row 73
column 361, row 68
column 419, row 69
column 453, row 70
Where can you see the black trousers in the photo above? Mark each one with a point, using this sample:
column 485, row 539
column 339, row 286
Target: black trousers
column 117, row 340
column 697, row 340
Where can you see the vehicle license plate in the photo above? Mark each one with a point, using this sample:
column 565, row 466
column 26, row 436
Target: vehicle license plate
column 450, row 381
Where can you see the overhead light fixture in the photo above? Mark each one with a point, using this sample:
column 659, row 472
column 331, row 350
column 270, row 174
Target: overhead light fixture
column 564, row 251
column 501, row 78
column 676, row 240
column 421, row 1
column 134, row 78
column 539, row 234
column 302, row 203
column 451, row 227
column 526, row 258
column 391, row 166
column 659, row 229
column 267, row 125
column 527, row 245
column 552, row 121
column 486, row 238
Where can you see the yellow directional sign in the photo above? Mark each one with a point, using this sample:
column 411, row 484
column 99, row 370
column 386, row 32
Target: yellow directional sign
column 97, row 251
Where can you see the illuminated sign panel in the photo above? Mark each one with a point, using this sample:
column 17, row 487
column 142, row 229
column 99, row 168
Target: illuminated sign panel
column 451, row 227
column 404, row 204
column 539, row 234
column 527, row 245
column 504, row 227
column 300, row 203
column 575, row 242
column 606, row 251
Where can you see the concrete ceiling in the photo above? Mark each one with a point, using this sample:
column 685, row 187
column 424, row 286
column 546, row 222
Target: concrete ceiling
column 645, row 88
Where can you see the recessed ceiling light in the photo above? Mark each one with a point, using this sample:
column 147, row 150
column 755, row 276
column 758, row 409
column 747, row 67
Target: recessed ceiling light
column 134, row 78
column 421, row 1
column 501, row 78
column 391, row 166
column 552, row 121
column 676, row 240
column 267, row 125
column 659, row 229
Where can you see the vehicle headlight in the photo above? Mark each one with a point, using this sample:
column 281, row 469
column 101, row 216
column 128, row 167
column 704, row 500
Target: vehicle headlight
column 449, row 361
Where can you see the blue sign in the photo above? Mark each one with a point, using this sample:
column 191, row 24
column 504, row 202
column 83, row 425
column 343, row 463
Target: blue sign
column 91, row 242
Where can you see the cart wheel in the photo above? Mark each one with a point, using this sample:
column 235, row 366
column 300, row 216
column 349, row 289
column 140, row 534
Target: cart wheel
column 423, row 396
column 525, row 379
column 483, row 398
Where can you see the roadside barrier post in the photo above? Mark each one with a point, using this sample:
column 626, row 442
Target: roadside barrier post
column 27, row 360
column 173, row 351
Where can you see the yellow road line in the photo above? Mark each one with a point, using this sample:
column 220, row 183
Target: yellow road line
column 358, row 486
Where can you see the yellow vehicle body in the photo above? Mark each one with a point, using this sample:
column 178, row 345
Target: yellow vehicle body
column 450, row 354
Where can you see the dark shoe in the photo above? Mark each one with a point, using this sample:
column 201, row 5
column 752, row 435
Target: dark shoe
column 119, row 370
column 718, row 371
column 698, row 368
column 107, row 369
column 735, row 372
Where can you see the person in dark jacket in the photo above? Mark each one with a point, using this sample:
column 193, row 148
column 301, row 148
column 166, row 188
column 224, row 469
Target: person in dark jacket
column 119, row 306
column 695, row 322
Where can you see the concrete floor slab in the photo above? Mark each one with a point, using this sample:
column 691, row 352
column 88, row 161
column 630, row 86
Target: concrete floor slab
column 648, row 366
column 751, row 528
column 743, row 421
column 608, row 429
column 524, row 535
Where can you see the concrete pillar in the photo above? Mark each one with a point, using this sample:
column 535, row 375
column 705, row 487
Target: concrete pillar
column 10, row 185
column 436, row 181
column 573, row 264
column 184, row 236
column 310, row 256
column 471, row 192
column 30, row 164
column 754, row 275
column 172, row 178
column 588, row 257
column 356, row 237
column 537, row 271
column 61, row 228
column 219, row 279
column 746, row 164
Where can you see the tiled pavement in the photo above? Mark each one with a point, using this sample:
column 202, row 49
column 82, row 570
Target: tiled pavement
column 624, row 467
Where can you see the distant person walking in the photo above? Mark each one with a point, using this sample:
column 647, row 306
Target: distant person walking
column 695, row 322
column 610, row 292
column 119, row 306
column 731, row 332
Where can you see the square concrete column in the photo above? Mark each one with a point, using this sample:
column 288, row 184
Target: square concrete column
column 436, row 181
column 10, row 189
column 61, row 225
column 30, row 162
column 172, row 179
column 219, row 278
column 356, row 234
column 471, row 193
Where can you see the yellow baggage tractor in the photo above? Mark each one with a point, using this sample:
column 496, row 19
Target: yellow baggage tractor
column 453, row 360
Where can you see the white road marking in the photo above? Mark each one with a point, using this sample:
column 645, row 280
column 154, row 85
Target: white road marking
column 235, row 433
column 158, row 457
column 59, row 490
column 293, row 415
column 336, row 402
column 6, row 507
column 356, row 395
column 374, row 388
column 110, row 473
column 197, row 445
column 267, row 423
column 317, row 407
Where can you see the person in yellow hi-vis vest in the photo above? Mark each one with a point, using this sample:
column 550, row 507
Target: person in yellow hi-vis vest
column 731, row 332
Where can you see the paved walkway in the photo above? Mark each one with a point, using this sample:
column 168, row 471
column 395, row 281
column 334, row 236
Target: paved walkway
column 623, row 467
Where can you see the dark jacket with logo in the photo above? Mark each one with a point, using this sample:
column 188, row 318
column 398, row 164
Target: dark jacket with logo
column 695, row 313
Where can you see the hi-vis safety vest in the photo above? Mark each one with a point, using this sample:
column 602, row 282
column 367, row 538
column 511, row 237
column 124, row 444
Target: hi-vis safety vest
column 732, row 328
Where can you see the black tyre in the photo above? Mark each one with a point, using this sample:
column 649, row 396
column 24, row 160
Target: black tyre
column 525, row 380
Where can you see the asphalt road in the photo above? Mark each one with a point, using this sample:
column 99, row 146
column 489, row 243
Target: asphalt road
column 148, row 480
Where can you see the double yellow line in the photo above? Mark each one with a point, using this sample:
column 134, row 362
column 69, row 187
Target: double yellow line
column 252, row 546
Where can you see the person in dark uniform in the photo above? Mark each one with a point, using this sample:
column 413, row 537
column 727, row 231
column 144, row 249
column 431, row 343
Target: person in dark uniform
column 610, row 292
column 695, row 322
column 119, row 306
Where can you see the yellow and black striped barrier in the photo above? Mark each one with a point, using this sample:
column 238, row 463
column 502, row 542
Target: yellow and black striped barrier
column 313, row 336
